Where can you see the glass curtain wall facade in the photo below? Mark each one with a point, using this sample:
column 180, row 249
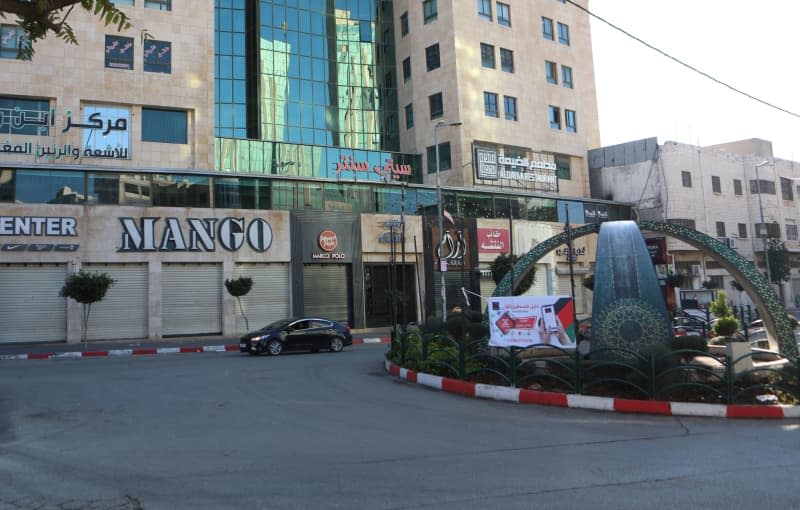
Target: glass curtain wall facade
column 300, row 85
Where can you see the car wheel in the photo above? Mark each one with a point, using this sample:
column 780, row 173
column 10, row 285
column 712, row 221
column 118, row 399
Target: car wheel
column 336, row 344
column 274, row 347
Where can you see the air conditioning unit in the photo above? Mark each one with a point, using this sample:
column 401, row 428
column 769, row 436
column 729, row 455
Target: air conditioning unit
column 730, row 242
column 695, row 270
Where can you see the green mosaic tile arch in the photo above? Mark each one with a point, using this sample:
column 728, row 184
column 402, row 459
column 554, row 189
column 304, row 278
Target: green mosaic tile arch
column 753, row 281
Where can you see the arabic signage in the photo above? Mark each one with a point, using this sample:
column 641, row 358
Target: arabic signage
column 394, row 234
column 198, row 234
column 99, row 131
column 522, row 321
column 390, row 170
column 493, row 240
column 576, row 252
column 491, row 166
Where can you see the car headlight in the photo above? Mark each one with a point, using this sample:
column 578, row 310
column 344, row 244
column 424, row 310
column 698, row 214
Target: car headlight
column 259, row 338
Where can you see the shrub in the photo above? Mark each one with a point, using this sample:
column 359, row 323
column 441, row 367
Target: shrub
column 726, row 326
column 719, row 306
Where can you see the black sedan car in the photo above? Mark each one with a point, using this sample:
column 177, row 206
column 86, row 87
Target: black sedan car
column 306, row 333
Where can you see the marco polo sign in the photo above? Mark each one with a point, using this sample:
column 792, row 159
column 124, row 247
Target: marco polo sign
column 193, row 234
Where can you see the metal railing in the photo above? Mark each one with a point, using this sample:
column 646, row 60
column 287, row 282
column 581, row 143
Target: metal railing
column 678, row 375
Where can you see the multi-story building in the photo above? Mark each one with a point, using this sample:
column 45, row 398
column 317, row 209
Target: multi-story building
column 736, row 192
column 292, row 142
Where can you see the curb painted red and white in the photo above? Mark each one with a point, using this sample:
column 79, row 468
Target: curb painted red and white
column 619, row 405
column 149, row 351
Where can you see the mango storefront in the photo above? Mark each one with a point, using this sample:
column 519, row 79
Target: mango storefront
column 169, row 266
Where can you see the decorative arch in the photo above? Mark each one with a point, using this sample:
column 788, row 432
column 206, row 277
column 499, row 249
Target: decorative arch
column 744, row 271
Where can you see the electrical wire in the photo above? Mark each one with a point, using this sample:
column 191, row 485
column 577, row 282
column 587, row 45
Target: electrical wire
column 684, row 64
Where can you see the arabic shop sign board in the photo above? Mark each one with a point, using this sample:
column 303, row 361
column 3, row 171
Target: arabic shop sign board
column 493, row 240
column 393, row 233
column 101, row 137
column 38, row 226
column 347, row 166
column 576, row 253
column 540, row 174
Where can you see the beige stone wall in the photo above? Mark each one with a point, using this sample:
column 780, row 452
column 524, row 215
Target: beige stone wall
column 74, row 76
column 462, row 80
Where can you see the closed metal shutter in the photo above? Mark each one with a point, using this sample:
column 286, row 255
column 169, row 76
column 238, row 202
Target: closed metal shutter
column 30, row 308
column 268, row 300
column 326, row 291
column 565, row 289
column 487, row 289
column 123, row 311
column 453, row 281
column 191, row 299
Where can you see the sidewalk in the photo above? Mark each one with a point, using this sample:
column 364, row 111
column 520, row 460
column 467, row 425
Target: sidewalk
column 103, row 348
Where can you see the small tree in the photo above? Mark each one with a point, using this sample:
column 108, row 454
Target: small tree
column 86, row 288
column 40, row 17
column 505, row 263
column 726, row 324
column 779, row 267
column 237, row 288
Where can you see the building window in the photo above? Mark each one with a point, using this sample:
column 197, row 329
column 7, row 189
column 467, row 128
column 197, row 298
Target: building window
column 106, row 138
column 570, row 121
column 791, row 232
column 720, row 229
column 119, row 52
column 737, row 187
column 503, row 14
column 510, row 104
column 161, row 5
column 123, row 2
column 742, row 230
column 444, row 157
column 432, row 57
column 388, row 83
column 404, row 24
column 767, row 187
column 436, row 105
column 547, row 28
column 686, row 179
column 490, row 104
column 566, row 76
column 487, row 55
column 716, row 187
column 563, row 33
column 554, row 115
column 563, row 170
column 485, row 9
column 786, row 189
column 157, row 56
column 24, row 116
column 164, row 126
column 409, row 116
column 506, row 60
column 12, row 39
column 772, row 230
column 550, row 72
column 683, row 222
column 406, row 69
column 429, row 10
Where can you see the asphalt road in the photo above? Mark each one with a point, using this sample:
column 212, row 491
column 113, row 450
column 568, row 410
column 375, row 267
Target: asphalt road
column 223, row 430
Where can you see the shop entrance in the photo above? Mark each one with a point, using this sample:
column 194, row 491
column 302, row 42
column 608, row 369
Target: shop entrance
column 381, row 282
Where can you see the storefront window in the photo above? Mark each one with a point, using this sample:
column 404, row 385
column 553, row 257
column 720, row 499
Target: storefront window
column 181, row 191
column 475, row 205
column 309, row 195
column 348, row 197
column 541, row 209
column 575, row 212
column 283, row 195
column 6, row 185
column 426, row 202
column 241, row 193
column 43, row 187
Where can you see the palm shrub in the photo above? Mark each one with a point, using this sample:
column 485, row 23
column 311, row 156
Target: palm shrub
column 237, row 288
column 86, row 288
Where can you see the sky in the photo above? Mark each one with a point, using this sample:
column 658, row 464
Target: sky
column 751, row 45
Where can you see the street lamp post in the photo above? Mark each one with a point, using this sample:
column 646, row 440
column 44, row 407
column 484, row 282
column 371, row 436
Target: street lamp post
column 763, row 225
column 439, row 124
